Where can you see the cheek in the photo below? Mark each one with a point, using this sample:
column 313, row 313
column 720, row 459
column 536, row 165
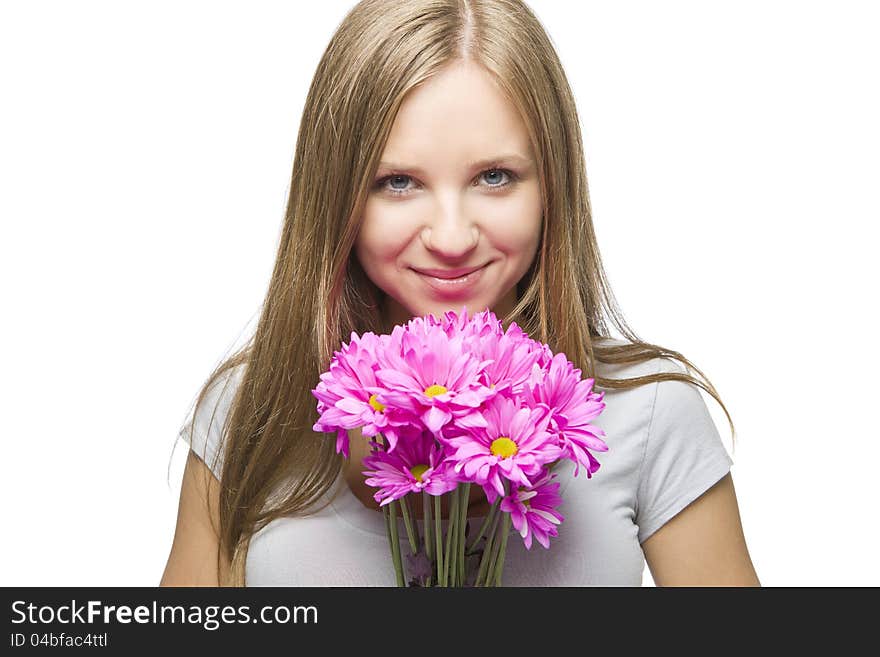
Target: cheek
column 382, row 236
column 515, row 226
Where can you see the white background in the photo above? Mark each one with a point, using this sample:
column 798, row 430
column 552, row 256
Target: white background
column 145, row 154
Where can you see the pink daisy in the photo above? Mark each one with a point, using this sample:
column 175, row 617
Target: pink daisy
column 426, row 374
column 573, row 405
column 513, row 445
column 533, row 510
column 511, row 354
column 416, row 465
column 480, row 324
column 347, row 396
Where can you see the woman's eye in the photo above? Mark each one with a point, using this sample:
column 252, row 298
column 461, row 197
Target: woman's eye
column 398, row 179
column 397, row 183
column 497, row 177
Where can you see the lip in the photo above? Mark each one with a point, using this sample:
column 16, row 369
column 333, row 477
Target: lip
column 452, row 287
column 448, row 273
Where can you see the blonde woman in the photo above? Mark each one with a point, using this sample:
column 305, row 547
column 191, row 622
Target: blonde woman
column 440, row 141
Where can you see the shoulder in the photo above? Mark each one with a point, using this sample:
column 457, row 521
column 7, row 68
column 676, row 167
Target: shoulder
column 646, row 367
column 204, row 426
column 222, row 389
column 683, row 451
column 678, row 402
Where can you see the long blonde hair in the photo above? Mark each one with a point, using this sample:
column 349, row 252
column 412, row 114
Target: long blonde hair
column 274, row 464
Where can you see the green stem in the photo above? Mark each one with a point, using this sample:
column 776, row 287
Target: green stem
column 454, row 518
column 499, row 566
column 426, row 519
column 429, row 538
column 438, row 536
column 412, row 531
column 395, row 543
column 487, row 553
column 493, row 578
column 450, row 554
column 451, row 526
column 462, row 533
column 486, row 523
column 493, row 559
column 385, row 512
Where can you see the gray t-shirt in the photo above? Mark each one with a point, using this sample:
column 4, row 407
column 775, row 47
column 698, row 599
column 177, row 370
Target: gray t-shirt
column 664, row 452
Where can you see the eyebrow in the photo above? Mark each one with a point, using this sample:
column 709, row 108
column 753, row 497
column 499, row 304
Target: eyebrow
column 486, row 162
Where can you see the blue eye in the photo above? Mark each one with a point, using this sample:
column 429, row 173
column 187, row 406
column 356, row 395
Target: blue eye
column 495, row 174
column 396, row 178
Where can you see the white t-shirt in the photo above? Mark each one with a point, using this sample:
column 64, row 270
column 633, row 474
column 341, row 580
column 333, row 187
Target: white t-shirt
column 664, row 452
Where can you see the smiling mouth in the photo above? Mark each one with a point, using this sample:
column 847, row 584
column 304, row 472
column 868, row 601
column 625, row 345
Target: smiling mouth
column 458, row 285
column 450, row 275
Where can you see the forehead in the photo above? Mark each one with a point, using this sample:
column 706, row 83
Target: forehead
column 459, row 114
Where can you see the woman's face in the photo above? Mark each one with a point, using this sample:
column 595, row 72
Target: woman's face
column 457, row 189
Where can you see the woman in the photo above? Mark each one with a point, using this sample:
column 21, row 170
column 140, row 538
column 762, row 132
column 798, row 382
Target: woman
column 443, row 136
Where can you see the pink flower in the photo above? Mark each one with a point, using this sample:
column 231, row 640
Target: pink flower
column 416, row 465
column 510, row 354
column 459, row 399
column 533, row 510
column 513, row 445
column 573, row 405
column 426, row 374
column 346, row 393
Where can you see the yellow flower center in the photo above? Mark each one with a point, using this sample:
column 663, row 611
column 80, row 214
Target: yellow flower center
column 375, row 404
column 417, row 471
column 503, row 447
column 434, row 390
column 493, row 386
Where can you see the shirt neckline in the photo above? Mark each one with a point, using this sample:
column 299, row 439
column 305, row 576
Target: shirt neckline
column 351, row 510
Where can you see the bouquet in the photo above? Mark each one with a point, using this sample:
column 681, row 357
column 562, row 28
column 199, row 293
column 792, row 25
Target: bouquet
column 453, row 403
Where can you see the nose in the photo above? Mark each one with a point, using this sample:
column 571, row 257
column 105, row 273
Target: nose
column 450, row 234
